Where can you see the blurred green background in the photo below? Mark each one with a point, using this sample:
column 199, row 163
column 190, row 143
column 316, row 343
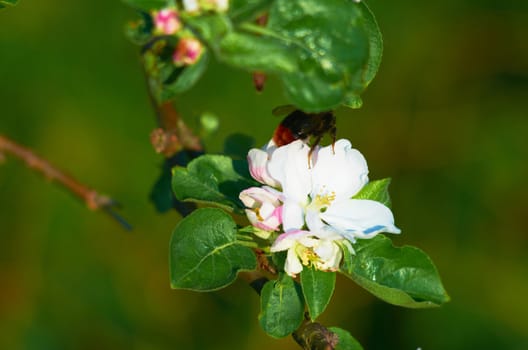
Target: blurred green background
column 446, row 117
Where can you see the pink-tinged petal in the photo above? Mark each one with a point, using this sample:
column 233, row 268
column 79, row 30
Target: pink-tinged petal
column 289, row 166
column 342, row 170
column 265, row 209
column 287, row 240
column 253, row 197
column 359, row 218
column 258, row 162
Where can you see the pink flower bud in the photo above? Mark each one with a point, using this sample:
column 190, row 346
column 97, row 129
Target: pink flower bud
column 188, row 51
column 167, row 21
column 265, row 208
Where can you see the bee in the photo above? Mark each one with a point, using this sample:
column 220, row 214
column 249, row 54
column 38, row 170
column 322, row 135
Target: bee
column 299, row 125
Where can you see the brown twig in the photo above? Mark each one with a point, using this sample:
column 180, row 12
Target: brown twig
column 315, row 336
column 92, row 199
column 173, row 135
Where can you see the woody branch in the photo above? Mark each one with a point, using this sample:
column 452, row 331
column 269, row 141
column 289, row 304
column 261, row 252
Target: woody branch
column 93, row 199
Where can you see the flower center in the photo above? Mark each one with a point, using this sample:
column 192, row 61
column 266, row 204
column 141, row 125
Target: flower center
column 322, row 201
column 306, row 254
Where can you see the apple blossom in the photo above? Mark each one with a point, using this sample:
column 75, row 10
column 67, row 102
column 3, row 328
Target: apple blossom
column 320, row 196
column 306, row 248
column 313, row 202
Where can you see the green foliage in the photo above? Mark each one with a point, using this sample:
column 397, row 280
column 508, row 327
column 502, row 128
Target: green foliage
column 346, row 341
column 377, row 190
column 246, row 51
column 281, row 307
column 146, row 5
column 403, row 276
column 161, row 194
column 140, row 31
column 211, row 179
column 183, row 78
column 318, row 288
column 247, row 10
column 319, row 66
column 7, row 3
column 164, row 78
column 332, row 64
column 204, row 254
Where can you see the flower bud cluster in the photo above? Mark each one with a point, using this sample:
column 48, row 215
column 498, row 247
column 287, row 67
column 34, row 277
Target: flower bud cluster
column 167, row 21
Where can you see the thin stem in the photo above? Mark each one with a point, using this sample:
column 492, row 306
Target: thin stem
column 244, row 237
column 172, row 134
column 92, row 199
column 249, row 244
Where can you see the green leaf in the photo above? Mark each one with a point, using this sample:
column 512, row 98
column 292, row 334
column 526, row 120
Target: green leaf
column 204, row 254
column 318, row 287
column 346, row 341
column 331, row 39
column 185, row 78
column 247, row 10
column 209, row 28
column 140, row 31
column 281, row 307
column 7, row 3
column 377, row 190
column 160, row 193
column 375, row 45
column 256, row 53
column 146, row 5
column 167, row 80
column 403, row 276
column 210, row 179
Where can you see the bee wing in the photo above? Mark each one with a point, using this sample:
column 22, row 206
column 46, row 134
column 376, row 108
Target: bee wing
column 283, row 110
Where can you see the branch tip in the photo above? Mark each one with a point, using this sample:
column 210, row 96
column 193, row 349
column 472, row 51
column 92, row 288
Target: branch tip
column 93, row 199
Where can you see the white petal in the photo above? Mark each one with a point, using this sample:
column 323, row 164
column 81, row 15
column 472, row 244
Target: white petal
column 344, row 172
column 359, row 218
column 292, row 215
column 222, row 5
column 191, row 5
column 313, row 220
column 286, row 240
column 330, row 254
column 289, row 166
column 293, row 265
